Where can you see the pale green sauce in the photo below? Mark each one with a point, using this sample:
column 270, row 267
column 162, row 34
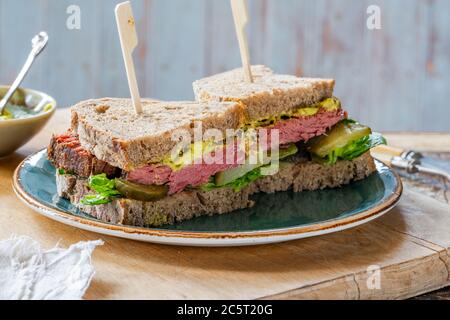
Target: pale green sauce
column 19, row 112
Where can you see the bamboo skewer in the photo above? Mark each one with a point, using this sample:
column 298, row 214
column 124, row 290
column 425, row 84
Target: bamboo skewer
column 129, row 41
column 240, row 14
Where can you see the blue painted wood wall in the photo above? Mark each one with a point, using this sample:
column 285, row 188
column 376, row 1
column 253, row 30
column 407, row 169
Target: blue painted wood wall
column 396, row 78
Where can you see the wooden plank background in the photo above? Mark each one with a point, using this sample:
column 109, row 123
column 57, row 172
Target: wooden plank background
column 396, row 78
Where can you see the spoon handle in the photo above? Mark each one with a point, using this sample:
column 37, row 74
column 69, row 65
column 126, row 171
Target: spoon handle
column 35, row 51
column 18, row 81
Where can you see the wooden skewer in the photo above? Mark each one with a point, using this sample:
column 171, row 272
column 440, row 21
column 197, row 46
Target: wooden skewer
column 240, row 14
column 129, row 41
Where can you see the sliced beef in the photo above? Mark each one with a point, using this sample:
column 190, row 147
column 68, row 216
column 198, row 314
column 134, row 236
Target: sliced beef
column 200, row 173
column 151, row 174
column 190, row 175
column 306, row 128
column 290, row 131
column 66, row 152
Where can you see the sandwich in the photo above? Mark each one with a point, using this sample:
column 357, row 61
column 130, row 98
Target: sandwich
column 180, row 160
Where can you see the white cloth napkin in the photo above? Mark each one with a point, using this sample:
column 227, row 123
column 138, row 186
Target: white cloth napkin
column 30, row 273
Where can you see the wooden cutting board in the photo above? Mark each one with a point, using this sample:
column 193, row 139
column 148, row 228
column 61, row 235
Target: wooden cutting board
column 408, row 248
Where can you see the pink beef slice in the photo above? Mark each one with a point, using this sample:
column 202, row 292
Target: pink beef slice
column 152, row 174
column 190, row 175
column 198, row 174
column 66, row 152
column 195, row 175
column 290, row 131
column 306, row 128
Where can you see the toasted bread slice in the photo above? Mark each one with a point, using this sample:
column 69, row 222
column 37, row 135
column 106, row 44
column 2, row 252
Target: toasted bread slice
column 270, row 94
column 298, row 174
column 111, row 130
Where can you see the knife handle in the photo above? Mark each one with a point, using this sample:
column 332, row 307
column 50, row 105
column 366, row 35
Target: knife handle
column 386, row 154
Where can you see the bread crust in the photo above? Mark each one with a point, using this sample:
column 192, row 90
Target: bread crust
column 270, row 95
column 110, row 129
column 296, row 174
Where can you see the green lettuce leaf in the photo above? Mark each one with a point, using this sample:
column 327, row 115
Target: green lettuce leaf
column 95, row 199
column 105, row 190
column 238, row 184
column 242, row 182
column 354, row 149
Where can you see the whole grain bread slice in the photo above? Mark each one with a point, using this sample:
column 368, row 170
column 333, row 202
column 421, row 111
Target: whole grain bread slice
column 111, row 130
column 269, row 95
column 297, row 174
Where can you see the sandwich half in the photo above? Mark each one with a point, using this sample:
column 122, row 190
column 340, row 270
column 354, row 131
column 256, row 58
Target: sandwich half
column 139, row 170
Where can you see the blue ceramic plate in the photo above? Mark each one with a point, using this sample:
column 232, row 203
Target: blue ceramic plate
column 275, row 218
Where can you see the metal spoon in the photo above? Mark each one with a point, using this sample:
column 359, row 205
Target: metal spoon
column 38, row 43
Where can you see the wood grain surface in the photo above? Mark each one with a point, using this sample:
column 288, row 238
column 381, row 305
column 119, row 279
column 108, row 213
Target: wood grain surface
column 410, row 245
column 395, row 78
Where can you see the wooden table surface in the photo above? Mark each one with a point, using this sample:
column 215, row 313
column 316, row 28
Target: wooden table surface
column 410, row 245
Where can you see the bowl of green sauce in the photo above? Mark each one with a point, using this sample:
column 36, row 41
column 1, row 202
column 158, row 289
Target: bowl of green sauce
column 25, row 115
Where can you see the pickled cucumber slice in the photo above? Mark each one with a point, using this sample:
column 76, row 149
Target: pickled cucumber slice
column 287, row 152
column 338, row 137
column 225, row 177
column 141, row 192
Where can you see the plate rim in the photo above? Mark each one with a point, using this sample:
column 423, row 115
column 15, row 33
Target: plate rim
column 300, row 231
